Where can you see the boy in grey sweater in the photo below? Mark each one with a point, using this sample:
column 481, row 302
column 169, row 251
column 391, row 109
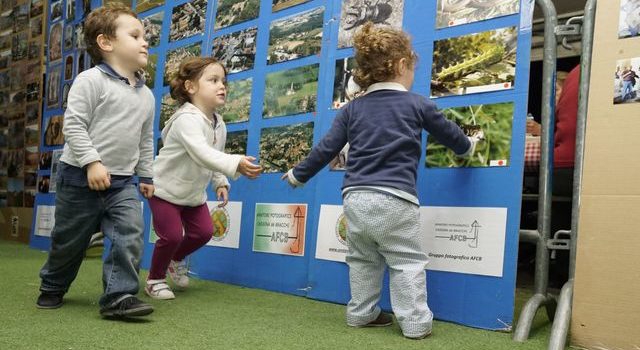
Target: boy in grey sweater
column 108, row 129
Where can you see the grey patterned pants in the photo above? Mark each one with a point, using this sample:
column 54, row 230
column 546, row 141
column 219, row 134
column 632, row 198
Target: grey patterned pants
column 386, row 229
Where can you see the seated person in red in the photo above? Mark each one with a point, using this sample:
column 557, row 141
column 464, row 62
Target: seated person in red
column 566, row 115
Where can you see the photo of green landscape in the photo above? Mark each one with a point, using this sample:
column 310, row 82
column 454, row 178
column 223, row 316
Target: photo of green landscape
column 292, row 91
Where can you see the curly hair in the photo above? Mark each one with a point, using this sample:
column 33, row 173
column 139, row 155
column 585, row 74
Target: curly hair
column 103, row 21
column 378, row 50
column 190, row 69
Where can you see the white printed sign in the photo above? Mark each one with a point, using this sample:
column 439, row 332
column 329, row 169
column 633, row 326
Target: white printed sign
column 332, row 234
column 465, row 239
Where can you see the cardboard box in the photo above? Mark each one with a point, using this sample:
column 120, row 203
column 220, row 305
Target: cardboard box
column 15, row 224
column 606, row 303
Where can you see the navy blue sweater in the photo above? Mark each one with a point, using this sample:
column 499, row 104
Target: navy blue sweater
column 384, row 131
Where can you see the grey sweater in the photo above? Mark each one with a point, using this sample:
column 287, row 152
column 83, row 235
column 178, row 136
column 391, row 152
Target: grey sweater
column 110, row 121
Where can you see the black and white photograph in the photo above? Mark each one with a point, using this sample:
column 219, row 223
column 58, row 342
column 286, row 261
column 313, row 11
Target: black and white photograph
column 457, row 12
column 237, row 50
column 355, row 13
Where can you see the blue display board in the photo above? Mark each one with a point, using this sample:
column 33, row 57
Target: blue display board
column 471, row 299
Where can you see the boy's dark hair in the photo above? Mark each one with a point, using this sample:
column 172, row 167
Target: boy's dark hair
column 190, row 69
column 103, row 21
column 378, row 50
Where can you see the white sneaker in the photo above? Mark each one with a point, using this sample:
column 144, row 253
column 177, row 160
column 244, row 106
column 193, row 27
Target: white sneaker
column 159, row 289
column 177, row 272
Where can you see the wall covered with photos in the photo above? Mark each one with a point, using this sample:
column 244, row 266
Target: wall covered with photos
column 290, row 70
column 21, row 60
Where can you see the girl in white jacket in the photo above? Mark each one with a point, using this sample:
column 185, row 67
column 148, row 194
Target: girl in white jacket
column 192, row 156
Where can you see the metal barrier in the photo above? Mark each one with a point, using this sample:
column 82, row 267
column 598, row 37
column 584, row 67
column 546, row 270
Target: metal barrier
column 541, row 235
column 562, row 319
column 562, row 315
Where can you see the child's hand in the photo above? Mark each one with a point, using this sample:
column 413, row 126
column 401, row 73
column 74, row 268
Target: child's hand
column 98, row 177
column 477, row 137
column 147, row 190
column 223, row 195
column 248, row 169
column 288, row 176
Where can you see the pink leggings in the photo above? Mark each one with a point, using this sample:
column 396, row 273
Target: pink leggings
column 168, row 221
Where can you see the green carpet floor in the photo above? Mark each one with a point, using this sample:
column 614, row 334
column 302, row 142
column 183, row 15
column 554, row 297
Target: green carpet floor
column 207, row 316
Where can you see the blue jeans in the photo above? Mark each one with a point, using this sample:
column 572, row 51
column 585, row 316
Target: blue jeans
column 627, row 89
column 80, row 212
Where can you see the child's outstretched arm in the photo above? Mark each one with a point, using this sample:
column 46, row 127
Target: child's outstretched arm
column 327, row 149
column 445, row 131
column 201, row 152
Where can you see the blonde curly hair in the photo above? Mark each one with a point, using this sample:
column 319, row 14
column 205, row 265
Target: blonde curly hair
column 378, row 49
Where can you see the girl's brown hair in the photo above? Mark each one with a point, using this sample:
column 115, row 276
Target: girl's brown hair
column 190, row 69
column 378, row 50
column 103, row 21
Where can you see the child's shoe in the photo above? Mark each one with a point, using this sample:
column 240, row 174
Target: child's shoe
column 49, row 300
column 419, row 337
column 159, row 289
column 384, row 319
column 177, row 272
column 128, row 306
